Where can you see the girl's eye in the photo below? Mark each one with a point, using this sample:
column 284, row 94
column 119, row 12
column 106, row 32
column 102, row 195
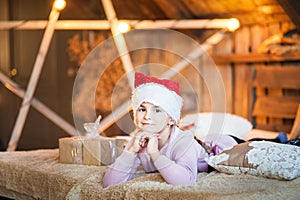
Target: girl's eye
column 157, row 110
column 141, row 109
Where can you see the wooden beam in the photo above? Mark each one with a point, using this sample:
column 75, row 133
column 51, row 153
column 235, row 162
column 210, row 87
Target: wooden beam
column 181, row 24
column 286, row 77
column 276, row 106
column 254, row 58
column 274, row 127
column 105, row 24
column 37, row 68
column 39, row 106
column 125, row 59
column 115, row 116
column 119, row 40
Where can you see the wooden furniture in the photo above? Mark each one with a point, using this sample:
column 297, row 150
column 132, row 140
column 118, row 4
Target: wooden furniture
column 276, row 97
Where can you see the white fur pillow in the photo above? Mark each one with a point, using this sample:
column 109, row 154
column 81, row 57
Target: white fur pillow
column 260, row 158
column 206, row 123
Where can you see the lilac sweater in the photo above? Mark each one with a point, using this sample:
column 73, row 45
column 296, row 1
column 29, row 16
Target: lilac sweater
column 180, row 159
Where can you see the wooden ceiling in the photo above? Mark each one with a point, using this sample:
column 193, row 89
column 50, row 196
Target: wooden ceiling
column 247, row 11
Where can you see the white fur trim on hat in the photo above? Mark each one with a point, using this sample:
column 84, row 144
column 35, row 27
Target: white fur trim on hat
column 160, row 96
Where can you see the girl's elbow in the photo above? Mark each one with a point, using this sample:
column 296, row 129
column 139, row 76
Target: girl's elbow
column 106, row 182
column 105, row 185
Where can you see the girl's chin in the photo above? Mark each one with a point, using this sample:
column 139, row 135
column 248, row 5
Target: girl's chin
column 148, row 130
column 151, row 129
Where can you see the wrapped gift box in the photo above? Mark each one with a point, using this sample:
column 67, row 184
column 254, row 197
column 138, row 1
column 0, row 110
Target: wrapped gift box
column 70, row 150
column 90, row 151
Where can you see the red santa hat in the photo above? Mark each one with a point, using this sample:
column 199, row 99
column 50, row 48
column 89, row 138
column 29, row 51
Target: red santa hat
column 160, row 92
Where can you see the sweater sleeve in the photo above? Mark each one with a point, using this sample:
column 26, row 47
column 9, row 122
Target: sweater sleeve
column 219, row 142
column 182, row 167
column 122, row 169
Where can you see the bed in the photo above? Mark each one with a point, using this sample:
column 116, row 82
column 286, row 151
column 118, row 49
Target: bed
column 37, row 174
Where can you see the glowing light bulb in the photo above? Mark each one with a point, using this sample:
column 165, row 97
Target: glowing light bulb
column 233, row 24
column 59, row 4
column 123, row 27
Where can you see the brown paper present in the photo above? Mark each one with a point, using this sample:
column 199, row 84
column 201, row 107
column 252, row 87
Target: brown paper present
column 71, row 150
column 90, row 151
column 99, row 151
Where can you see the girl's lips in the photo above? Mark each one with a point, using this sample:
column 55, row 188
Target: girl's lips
column 146, row 124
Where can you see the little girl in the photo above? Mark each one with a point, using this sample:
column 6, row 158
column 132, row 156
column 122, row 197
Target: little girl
column 158, row 144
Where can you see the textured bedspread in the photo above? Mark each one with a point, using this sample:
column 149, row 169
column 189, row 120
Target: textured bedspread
column 38, row 175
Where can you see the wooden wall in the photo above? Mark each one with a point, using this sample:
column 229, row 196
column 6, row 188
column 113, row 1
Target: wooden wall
column 18, row 50
column 245, row 41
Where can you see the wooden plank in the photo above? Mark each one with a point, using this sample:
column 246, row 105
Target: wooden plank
column 142, row 9
column 212, row 87
column 277, row 77
column 105, row 24
column 258, row 35
column 241, row 77
column 226, row 71
column 274, row 127
column 239, row 58
column 174, row 9
column 206, row 97
column 259, row 92
column 274, row 29
column 276, row 106
column 4, row 39
column 197, row 7
column 249, row 12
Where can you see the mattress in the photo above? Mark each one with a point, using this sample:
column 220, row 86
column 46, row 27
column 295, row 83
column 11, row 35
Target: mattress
column 37, row 174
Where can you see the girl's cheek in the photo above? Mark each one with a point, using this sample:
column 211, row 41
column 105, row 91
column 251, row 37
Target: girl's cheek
column 137, row 118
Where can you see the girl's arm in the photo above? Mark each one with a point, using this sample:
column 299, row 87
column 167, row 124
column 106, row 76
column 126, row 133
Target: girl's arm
column 182, row 167
column 123, row 168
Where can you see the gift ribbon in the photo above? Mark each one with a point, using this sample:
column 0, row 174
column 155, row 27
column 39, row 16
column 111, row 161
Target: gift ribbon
column 76, row 152
column 112, row 145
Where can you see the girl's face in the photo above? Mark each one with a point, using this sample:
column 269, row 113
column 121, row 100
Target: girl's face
column 151, row 118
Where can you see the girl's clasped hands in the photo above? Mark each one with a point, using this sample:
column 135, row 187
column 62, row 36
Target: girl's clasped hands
column 145, row 140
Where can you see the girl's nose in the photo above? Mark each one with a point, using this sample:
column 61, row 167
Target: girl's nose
column 147, row 115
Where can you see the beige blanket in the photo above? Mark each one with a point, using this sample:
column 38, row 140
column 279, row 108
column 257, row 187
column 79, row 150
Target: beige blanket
column 38, row 175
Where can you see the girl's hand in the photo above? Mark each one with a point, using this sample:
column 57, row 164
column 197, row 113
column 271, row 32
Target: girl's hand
column 152, row 143
column 144, row 139
column 136, row 146
column 150, row 140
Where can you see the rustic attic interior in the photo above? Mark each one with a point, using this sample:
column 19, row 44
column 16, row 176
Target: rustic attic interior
column 238, row 56
column 58, row 65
